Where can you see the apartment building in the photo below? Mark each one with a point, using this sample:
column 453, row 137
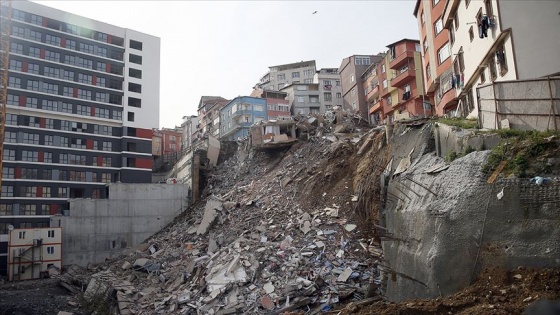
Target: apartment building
column 281, row 76
column 351, row 69
column 437, row 71
column 277, row 106
column 189, row 126
column 239, row 114
column 330, row 88
column 303, row 98
column 32, row 251
column 207, row 114
column 83, row 98
column 167, row 141
column 493, row 40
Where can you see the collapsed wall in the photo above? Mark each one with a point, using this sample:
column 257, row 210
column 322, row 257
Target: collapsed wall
column 445, row 223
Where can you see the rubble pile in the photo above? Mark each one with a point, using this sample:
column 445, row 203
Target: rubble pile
column 277, row 232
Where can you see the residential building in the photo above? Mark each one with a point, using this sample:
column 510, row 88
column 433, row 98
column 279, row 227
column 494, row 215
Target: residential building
column 83, row 97
column 405, row 61
column 371, row 87
column 32, row 251
column 505, row 47
column 303, row 98
column 214, row 124
column 283, row 75
column 239, row 114
column 330, row 88
column 350, row 71
column 166, row 141
column 388, row 94
column 277, row 106
column 189, row 128
column 205, row 115
column 437, row 70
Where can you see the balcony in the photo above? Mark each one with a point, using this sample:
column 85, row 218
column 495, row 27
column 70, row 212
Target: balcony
column 402, row 78
column 376, row 107
column 241, row 113
column 401, row 59
column 373, row 93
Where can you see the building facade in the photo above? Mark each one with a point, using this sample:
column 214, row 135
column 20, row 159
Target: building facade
column 32, row 251
column 330, row 88
column 303, row 98
column 167, row 141
column 189, row 126
column 206, row 115
column 436, row 49
column 83, row 98
column 239, row 115
column 351, row 69
column 493, row 40
column 277, row 106
column 281, row 76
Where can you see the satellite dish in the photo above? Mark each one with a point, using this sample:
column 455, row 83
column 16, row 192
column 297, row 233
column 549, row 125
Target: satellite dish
column 10, row 227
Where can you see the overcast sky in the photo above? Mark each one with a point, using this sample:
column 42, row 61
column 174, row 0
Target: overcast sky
column 223, row 48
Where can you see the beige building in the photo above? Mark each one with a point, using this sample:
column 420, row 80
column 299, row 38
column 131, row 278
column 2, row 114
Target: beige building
column 303, row 98
column 32, row 251
column 330, row 88
column 281, row 76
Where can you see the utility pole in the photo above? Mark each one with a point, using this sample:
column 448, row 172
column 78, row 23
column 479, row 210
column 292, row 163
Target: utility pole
column 5, row 30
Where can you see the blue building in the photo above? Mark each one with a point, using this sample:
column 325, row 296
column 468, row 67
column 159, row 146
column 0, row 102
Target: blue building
column 240, row 114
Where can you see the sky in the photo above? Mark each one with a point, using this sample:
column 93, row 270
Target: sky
column 223, row 48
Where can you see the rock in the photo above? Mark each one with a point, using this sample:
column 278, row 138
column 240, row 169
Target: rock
column 350, row 227
column 267, row 302
column 268, row 287
column 126, row 265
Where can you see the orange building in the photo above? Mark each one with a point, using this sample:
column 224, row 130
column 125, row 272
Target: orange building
column 166, row 141
column 437, row 70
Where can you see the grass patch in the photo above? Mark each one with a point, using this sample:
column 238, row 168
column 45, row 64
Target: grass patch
column 459, row 122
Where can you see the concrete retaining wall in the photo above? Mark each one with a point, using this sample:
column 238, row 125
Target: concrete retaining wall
column 97, row 229
column 522, row 104
column 450, row 138
column 435, row 223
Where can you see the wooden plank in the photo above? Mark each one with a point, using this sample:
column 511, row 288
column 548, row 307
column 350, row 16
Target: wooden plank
column 497, row 172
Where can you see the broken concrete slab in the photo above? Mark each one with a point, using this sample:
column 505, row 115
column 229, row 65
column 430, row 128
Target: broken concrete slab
column 213, row 205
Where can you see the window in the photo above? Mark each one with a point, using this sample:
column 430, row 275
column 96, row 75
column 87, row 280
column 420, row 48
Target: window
column 18, row 31
column 300, row 99
column 101, row 82
column 52, row 40
column 47, row 175
column 66, row 108
column 281, row 76
column 62, row 192
column 11, row 119
column 82, row 110
column 422, row 17
column 452, row 35
column 52, row 56
column 106, row 161
column 383, row 68
column 79, row 127
column 101, row 51
column 135, row 59
column 36, row 36
column 133, row 87
column 135, row 73
column 28, row 191
column 492, row 68
column 16, row 48
column 101, row 66
column 87, row 48
column 488, row 7
column 30, row 138
column 33, row 85
column 46, row 209
column 33, row 68
column 30, row 156
column 338, row 95
column 18, row 15
column 389, row 101
column 295, row 75
column 435, row 2
column 31, row 102
column 428, row 72
column 37, row 20
column 134, row 102
column 102, row 113
column 10, row 137
column 352, row 78
column 130, row 116
column 31, row 121
column 49, row 123
column 443, row 53
column 483, row 76
column 15, row 65
column 308, row 73
column 14, row 82
column 501, row 60
column 12, row 99
column 362, row 60
column 21, row 235
column 327, row 96
column 353, row 92
column 49, row 140
column 438, row 26
column 456, row 20
column 50, row 105
column 68, row 91
column 8, row 172
column 50, row 250
column 64, row 142
column 9, row 155
column 101, row 97
column 71, row 44
column 102, row 37
column 7, row 191
column 47, row 158
column 6, row 209
column 84, row 94
column 384, row 83
column 85, row 78
column 467, row 2
column 50, row 88
column 105, row 177
column 135, row 45
column 471, row 33
column 117, row 114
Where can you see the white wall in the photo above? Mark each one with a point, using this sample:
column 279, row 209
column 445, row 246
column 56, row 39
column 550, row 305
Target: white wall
column 536, row 35
column 147, row 116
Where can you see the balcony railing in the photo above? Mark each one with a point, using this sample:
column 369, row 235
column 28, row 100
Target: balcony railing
column 403, row 78
column 401, row 59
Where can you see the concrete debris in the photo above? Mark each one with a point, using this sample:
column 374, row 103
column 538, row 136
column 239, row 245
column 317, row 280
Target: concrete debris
column 269, row 238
